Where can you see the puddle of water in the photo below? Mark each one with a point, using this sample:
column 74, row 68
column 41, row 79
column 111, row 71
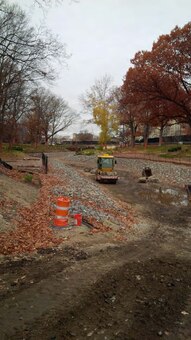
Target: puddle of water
column 167, row 196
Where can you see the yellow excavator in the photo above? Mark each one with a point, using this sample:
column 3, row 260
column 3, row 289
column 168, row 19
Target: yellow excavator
column 105, row 172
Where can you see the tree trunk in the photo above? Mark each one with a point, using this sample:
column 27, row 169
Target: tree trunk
column 133, row 134
column 161, row 135
column 13, row 134
column 1, row 143
column 146, row 135
column 45, row 136
column 132, row 140
column 1, row 135
column 51, row 139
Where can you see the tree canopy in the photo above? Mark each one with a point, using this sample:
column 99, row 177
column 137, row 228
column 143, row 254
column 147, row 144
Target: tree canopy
column 157, row 87
column 164, row 74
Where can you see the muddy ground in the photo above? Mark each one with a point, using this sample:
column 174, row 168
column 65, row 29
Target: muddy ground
column 98, row 288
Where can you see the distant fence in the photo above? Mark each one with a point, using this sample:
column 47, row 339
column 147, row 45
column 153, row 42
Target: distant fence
column 176, row 139
column 45, row 162
column 169, row 140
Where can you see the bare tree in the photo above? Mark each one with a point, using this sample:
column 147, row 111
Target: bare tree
column 25, row 53
column 48, row 3
column 17, row 106
column 49, row 115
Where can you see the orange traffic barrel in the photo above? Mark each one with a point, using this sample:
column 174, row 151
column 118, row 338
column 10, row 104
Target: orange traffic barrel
column 63, row 201
column 61, row 212
column 62, row 206
column 60, row 222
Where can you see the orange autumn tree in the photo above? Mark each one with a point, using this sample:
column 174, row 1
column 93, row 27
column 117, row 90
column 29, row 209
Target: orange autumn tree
column 160, row 79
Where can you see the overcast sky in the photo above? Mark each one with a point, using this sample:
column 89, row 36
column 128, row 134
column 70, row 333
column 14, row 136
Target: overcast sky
column 103, row 35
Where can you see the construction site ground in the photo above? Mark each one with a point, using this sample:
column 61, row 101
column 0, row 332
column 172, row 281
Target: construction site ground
column 132, row 283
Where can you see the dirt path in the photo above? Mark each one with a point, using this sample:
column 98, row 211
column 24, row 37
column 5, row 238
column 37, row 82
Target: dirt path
column 137, row 289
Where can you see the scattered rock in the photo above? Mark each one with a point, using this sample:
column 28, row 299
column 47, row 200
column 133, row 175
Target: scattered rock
column 87, row 169
column 90, row 333
column 142, row 180
column 184, row 312
column 160, row 333
column 138, row 277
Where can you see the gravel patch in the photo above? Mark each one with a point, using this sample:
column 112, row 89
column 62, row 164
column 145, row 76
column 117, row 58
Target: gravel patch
column 165, row 172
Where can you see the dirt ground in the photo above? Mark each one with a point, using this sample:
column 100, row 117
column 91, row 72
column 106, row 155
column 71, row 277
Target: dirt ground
column 100, row 288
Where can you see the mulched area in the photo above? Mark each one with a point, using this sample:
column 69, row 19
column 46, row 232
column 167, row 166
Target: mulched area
column 33, row 226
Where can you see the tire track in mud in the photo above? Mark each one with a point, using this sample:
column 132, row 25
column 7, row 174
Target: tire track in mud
column 139, row 297
column 64, row 290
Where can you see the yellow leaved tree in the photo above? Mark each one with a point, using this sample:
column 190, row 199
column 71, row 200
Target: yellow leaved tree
column 100, row 100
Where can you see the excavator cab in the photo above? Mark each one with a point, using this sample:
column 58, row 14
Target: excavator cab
column 105, row 163
column 105, row 169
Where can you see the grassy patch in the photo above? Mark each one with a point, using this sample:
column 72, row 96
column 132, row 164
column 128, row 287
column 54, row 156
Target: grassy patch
column 19, row 151
column 166, row 151
column 28, row 178
column 7, row 153
column 168, row 155
column 29, row 148
column 87, row 152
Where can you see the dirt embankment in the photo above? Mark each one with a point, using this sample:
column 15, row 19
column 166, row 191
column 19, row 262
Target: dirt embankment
column 14, row 195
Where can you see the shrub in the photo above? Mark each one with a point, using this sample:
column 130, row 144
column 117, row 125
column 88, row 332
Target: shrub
column 86, row 152
column 17, row 148
column 28, row 178
column 174, row 149
column 73, row 148
column 99, row 147
column 89, row 152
